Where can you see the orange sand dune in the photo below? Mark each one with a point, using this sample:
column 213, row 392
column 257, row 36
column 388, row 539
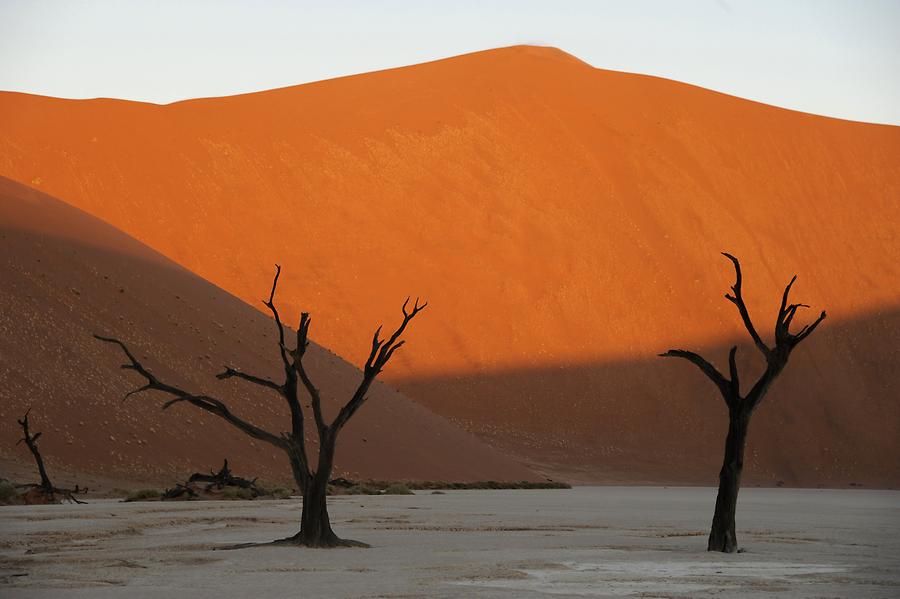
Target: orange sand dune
column 67, row 275
column 554, row 214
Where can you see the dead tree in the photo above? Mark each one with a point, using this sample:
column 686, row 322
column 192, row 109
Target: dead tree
column 179, row 491
column 31, row 442
column 214, row 482
column 740, row 408
column 45, row 487
column 310, row 475
column 222, row 478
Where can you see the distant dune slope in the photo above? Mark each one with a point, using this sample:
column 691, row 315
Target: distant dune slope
column 832, row 419
column 556, row 215
column 66, row 275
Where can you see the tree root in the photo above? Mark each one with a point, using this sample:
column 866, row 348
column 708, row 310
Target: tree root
column 296, row 541
column 38, row 494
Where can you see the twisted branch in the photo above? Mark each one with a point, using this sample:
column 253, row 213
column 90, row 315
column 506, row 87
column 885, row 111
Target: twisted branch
column 314, row 395
column 288, row 389
column 270, row 303
column 204, row 402
column 381, row 353
column 708, row 369
column 738, row 300
column 263, row 382
column 786, row 312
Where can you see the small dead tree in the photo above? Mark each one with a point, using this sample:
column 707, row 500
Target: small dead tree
column 211, row 484
column 45, row 487
column 311, row 476
column 222, row 478
column 740, row 408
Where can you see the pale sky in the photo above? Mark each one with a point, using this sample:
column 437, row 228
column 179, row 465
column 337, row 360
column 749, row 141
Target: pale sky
column 834, row 57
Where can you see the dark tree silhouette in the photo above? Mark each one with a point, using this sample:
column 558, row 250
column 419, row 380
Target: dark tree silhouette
column 211, row 483
column 31, row 442
column 45, row 487
column 740, row 408
column 311, row 477
column 222, row 478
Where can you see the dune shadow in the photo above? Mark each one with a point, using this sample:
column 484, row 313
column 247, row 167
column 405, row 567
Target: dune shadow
column 832, row 419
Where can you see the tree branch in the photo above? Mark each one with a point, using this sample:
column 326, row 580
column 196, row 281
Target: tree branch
column 314, row 395
column 784, row 297
column 732, row 367
column 270, row 303
column 204, row 402
column 263, row 382
column 378, row 357
column 789, row 315
column 383, row 350
column 786, row 313
column 738, row 300
column 808, row 329
column 708, row 369
column 289, row 388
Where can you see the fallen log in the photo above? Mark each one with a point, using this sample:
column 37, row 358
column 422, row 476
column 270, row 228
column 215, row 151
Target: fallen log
column 179, row 491
column 222, row 478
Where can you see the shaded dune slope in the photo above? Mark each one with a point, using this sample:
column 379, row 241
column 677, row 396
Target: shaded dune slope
column 66, row 275
column 553, row 213
column 831, row 419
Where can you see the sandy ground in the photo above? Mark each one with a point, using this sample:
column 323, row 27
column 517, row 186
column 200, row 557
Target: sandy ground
column 584, row 542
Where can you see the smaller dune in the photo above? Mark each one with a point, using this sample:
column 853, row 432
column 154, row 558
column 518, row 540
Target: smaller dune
column 67, row 275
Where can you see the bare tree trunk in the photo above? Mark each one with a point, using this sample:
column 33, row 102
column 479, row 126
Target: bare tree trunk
column 31, row 442
column 315, row 524
column 722, row 536
column 46, row 485
column 301, row 476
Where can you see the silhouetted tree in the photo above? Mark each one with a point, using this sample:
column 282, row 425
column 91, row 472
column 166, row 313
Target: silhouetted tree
column 45, row 487
column 740, row 408
column 222, row 478
column 211, row 484
column 311, row 476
